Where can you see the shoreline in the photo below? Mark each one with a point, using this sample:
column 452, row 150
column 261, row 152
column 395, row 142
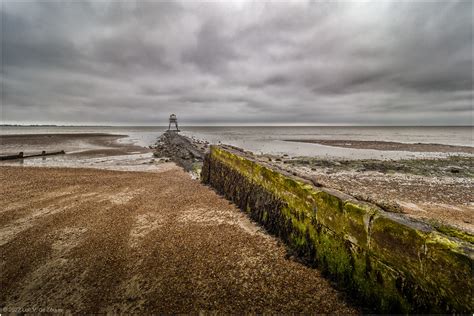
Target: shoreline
column 84, row 150
column 435, row 189
column 73, row 143
column 70, row 142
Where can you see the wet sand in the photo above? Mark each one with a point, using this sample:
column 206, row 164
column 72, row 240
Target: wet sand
column 90, row 241
column 83, row 144
column 388, row 146
column 85, row 150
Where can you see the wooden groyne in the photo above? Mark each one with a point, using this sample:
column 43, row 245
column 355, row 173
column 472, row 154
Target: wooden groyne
column 388, row 260
column 21, row 155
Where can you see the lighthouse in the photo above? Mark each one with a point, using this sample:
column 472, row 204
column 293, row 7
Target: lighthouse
column 173, row 120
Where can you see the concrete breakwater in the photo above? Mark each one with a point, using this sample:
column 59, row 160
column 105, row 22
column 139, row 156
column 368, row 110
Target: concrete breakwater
column 391, row 262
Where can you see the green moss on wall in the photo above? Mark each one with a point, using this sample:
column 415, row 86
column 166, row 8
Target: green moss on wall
column 388, row 261
column 449, row 268
column 399, row 243
column 454, row 232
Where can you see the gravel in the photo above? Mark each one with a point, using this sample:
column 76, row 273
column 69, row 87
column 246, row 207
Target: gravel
column 90, row 241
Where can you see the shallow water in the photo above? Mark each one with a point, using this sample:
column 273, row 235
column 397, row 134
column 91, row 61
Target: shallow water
column 140, row 135
column 269, row 140
column 134, row 162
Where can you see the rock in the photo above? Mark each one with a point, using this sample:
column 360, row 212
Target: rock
column 454, row 169
column 315, row 182
column 182, row 150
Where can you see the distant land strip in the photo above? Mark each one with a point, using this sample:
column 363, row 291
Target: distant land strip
column 390, row 146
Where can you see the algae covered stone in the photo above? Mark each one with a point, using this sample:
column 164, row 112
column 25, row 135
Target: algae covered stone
column 386, row 259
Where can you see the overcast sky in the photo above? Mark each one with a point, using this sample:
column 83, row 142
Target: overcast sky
column 241, row 62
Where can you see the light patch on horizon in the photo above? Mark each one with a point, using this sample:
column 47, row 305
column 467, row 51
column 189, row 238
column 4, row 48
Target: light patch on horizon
column 245, row 62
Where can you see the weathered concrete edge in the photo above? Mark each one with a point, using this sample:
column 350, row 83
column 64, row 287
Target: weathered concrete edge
column 392, row 262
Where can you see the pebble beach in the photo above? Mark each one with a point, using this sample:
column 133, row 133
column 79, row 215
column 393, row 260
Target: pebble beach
column 141, row 238
column 115, row 227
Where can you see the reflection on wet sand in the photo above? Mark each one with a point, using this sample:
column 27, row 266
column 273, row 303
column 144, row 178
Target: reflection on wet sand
column 71, row 143
column 87, row 150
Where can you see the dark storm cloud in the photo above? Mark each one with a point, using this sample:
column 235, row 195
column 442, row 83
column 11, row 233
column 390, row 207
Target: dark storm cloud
column 386, row 62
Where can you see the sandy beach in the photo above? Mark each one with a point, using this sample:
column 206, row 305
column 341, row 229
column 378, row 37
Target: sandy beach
column 121, row 230
column 90, row 241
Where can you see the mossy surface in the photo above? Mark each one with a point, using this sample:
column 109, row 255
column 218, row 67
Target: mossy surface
column 388, row 261
column 398, row 243
column 449, row 268
column 454, row 232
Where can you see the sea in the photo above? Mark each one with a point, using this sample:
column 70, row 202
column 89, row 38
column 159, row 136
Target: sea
column 272, row 139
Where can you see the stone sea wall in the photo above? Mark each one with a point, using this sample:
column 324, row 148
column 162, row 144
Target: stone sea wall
column 389, row 261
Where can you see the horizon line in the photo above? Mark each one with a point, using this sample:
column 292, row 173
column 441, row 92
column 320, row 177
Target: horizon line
column 225, row 125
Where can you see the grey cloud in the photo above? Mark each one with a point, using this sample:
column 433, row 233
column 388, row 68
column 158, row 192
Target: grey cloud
column 130, row 53
column 212, row 50
column 23, row 47
column 258, row 62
